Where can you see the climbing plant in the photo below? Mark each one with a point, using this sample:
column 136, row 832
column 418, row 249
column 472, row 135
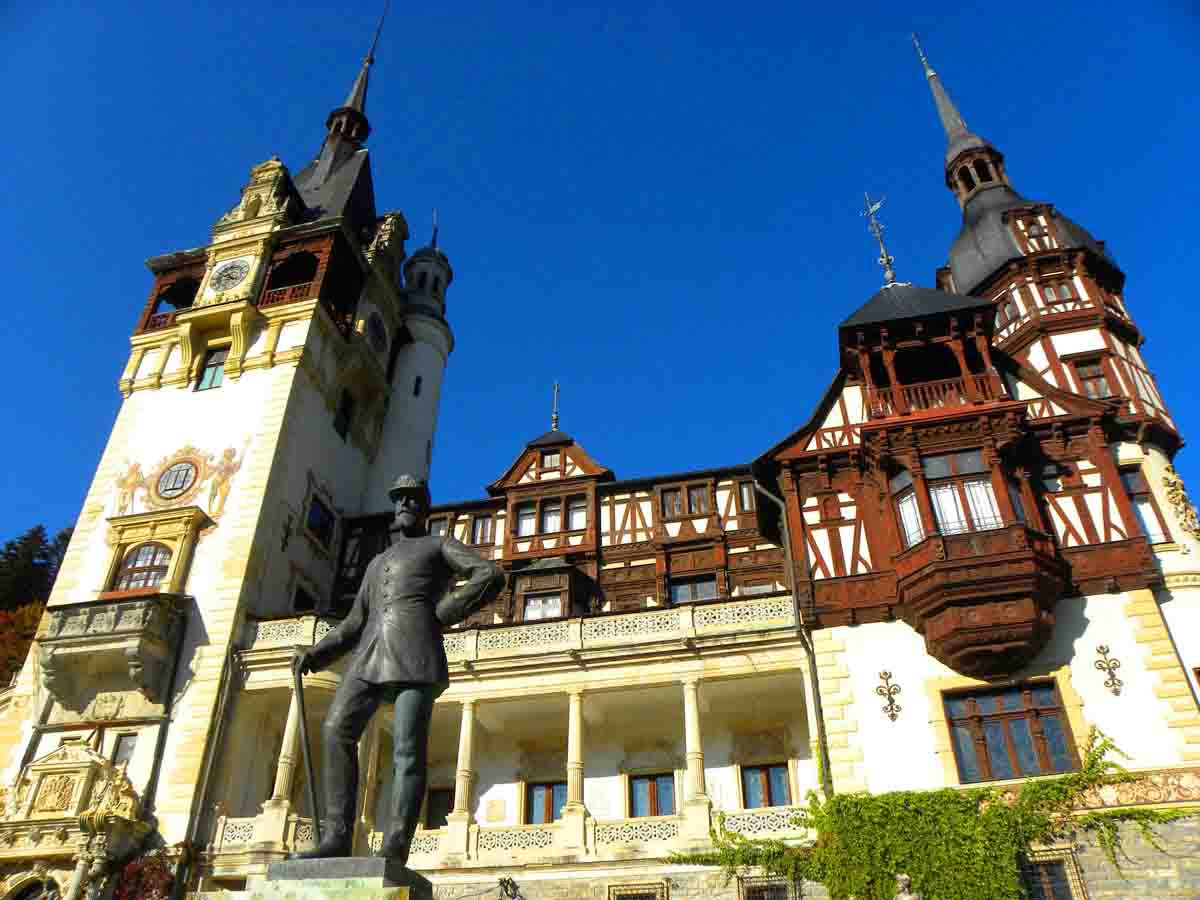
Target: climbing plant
column 956, row 844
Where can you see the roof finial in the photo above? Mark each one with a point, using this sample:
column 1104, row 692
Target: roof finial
column 378, row 30
column 929, row 73
column 876, row 228
column 554, row 414
column 433, row 240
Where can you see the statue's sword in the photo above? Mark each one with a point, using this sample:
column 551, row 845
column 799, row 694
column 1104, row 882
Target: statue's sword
column 298, row 686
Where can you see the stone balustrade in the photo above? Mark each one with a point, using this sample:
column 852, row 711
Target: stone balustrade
column 677, row 623
column 767, row 822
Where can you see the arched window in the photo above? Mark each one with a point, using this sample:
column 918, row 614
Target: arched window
column 144, row 566
column 178, row 294
column 437, row 283
column 417, row 386
column 965, row 179
column 421, row 280
column 982, row 172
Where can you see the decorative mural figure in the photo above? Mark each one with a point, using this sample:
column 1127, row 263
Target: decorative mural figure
column 127, row 487
column 222, row 476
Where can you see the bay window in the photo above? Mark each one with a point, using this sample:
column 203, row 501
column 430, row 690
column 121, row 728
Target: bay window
column 551, row 516
column 907, row 510
column 526, row 519
column 960, row 492
column 543, row 606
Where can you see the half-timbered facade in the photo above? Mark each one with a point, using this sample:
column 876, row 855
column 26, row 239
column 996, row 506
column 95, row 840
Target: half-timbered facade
column 975, row 551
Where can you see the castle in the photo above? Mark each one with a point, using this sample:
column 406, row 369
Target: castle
column 973, row 553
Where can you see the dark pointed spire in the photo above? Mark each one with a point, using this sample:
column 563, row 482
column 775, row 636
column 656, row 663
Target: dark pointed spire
column 357, row 98
column 554, row 412
column 958, row 136
column 433, row 240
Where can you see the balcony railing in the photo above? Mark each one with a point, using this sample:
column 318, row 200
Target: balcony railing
column 289, row 294
column 160, row 320
column 927, row 396
column 675, row 623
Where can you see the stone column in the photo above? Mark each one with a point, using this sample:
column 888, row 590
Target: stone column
column 465, row 773
column 457, row 834
column 693, row 744
column 285, row 769
column 271, row 827
column 572, row 833
column 697, row 808
column 575, row 749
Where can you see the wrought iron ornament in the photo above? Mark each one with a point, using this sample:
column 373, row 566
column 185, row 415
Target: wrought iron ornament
column 888, row 691
column 876, row 228
column 1109, row 667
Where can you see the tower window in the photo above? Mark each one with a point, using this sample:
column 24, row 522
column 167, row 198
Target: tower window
column 344, row 415
column 123, row 749
column 179, row 294
column 417, row 386
column 982, row 172
column 421, row 279
column 437, row 283
column 143, row 567
column 1092, row 379
column 320, row 522
column 212, row 372
column 965, row 179
column 1148, row 515
column 175, row 480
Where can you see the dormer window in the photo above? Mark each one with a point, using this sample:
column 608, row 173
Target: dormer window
column 551, row 459
column 1037, row 236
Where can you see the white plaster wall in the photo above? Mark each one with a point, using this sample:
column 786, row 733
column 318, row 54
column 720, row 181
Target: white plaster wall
column 1078, row 341
column 1181, row 610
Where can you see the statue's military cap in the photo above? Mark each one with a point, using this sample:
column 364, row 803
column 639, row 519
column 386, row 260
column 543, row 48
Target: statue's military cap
column 408, row 484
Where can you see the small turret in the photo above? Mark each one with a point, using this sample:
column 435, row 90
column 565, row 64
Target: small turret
column 427, row 274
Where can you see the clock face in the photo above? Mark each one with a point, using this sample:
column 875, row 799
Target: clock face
column 230, row 275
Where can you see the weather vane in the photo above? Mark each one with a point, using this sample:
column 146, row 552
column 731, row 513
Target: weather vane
column 876, row 228
column 554, row 414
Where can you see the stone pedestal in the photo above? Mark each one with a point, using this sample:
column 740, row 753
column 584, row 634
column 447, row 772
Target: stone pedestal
column 344, row 878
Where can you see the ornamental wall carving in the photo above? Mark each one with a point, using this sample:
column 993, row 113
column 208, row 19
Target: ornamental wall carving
column 188, row 476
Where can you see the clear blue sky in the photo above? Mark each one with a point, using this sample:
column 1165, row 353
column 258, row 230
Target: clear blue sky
column 655, row 203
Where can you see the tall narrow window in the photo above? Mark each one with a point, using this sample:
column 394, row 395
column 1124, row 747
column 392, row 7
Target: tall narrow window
column 1092, row 379
column 1148, row 515
column 481, row 530
column 982, row 172
column 746, row 496
column 551, row 516
column 544, row 802
column 344, row 415
column 526, row 519
column 123, row 750
column 417, row 386
column 766, row 786
column 1058, row 292
column 1009, row 733
column 698, row 499
column 907, row 510
column 577, row 513
column 320, row 522
column 672, row 503
column 212, row 373
column 652, row 795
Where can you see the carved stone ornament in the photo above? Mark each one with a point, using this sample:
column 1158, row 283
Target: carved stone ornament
column 1180, row 503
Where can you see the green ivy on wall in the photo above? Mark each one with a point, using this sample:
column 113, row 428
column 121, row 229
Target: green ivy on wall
column 956, row 844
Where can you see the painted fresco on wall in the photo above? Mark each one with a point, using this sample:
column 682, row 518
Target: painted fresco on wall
column 188, row 476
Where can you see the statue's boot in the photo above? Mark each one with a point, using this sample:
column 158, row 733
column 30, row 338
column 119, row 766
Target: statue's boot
column 397, row 843
column 335, row 841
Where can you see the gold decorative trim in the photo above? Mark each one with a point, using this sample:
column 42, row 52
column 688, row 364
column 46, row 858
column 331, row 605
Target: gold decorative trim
column 1181, row 505
column 177, row 528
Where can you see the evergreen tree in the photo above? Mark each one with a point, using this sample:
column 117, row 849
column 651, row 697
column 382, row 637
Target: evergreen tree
column 29, row 565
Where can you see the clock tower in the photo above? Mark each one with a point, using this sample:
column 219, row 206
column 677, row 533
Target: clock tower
column 278, row 376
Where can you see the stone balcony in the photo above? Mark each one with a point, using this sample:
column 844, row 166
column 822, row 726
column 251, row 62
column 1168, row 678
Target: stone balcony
column 130, row 637
column 468, row 646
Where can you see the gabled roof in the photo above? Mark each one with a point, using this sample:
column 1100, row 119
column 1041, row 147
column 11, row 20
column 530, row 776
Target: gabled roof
column 907, row 301
column 576, row 458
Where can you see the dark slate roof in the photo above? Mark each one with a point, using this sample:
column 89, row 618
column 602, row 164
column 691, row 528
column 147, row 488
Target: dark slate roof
column 347, row 192
column 907, row 301
column 986, row 243
column 551, row 437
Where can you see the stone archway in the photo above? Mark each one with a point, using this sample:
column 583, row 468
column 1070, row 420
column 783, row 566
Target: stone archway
column 36, row 887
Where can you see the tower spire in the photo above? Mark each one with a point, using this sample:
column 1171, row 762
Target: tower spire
column 433, row 240
column 876, row 228
column 554, row 413
column 952, row 121
column 357, row 98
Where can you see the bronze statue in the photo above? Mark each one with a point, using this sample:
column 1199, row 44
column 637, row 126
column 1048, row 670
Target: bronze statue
column 395, row 632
